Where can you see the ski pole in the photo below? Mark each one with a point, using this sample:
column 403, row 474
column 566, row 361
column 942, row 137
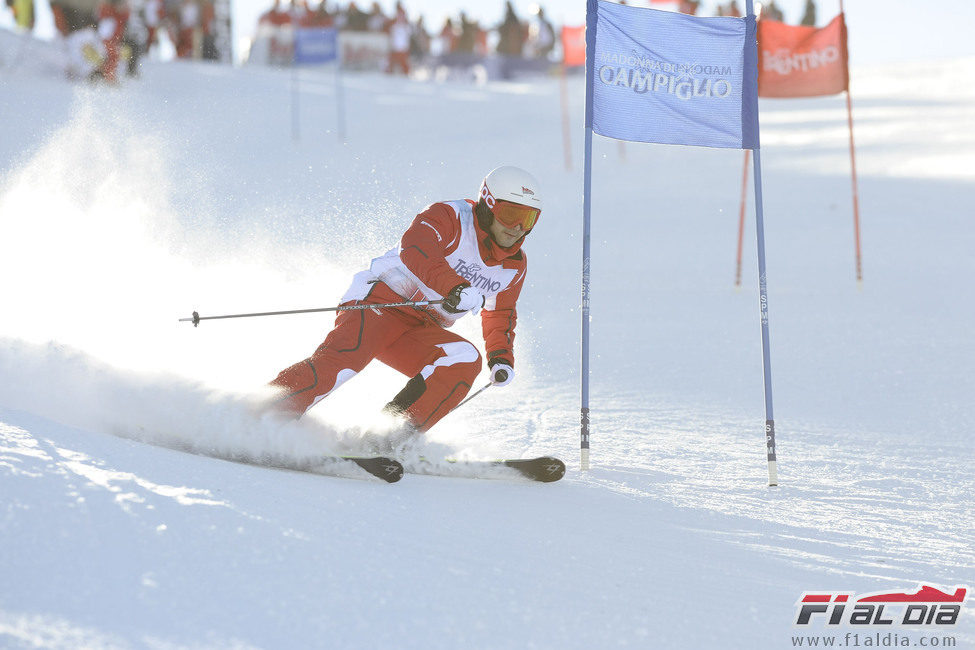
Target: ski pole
column 484, row 388
column 196, row 318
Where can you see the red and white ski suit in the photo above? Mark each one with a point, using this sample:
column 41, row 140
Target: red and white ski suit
column 442, row 248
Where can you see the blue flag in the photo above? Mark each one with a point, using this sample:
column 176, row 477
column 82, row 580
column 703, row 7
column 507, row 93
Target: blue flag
column 316, row 45
column 664, row 77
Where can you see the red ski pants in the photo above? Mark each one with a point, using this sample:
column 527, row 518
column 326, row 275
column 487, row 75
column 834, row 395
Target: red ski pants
column 441, row 364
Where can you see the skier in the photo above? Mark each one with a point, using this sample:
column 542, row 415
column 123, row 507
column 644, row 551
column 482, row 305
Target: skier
column 467, row 253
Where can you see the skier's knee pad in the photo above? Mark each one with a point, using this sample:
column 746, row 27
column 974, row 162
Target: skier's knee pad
column 413, row 390
column 460, row 357
column 297, row 378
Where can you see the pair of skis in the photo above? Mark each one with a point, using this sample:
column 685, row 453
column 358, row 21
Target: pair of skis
column 544, row 469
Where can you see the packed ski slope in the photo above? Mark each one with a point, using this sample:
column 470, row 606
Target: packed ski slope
column 122, row 210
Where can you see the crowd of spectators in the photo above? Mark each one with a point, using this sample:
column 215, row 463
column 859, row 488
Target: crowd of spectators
column 460, row 40
column 113, row 33
column 104, row 35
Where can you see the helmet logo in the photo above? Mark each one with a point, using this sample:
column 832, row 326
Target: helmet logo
column 487, row 196
column 525, row 190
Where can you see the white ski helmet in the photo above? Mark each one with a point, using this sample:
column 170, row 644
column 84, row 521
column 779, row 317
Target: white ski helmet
column 511, row 185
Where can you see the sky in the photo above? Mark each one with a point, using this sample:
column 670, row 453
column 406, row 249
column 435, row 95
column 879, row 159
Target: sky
column 881, row 31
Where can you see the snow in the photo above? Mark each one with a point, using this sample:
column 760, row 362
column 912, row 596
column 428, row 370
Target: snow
column 122, row 210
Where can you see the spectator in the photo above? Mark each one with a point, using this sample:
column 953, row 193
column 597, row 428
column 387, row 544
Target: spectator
column 266, row 18
column 689, row 7
column 60, row 19
column 772, row 12
column 480, row 40
column 340, row 18
column 448, row 37
column 132, row 44
column 400, row 33
column 113, row 16
column 730, row 9
column 299, row 13
column 153, row 13
column 809, row 18
column 468, row 35
column 321, row 17
column 189, row 23
column 356, row 20
column 85, row 50
column 377, row 19
column 69, row 19
column 541, row 35
column 208, row 24
column 170, row 22
column 273, row 24
column 419, row 41
column 511, row 34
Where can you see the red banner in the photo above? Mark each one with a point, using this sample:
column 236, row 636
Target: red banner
column 802, row 61
column 574, row 45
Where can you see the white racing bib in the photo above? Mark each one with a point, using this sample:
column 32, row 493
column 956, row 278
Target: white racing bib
column 465, row 260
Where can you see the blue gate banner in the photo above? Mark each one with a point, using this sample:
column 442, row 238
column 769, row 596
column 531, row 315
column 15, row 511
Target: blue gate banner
column 665, row 77
column 316, row 45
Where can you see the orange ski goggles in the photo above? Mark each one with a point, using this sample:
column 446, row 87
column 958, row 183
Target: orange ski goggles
column 513, row 214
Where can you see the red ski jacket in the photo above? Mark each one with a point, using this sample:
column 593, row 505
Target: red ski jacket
column 432, row 236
